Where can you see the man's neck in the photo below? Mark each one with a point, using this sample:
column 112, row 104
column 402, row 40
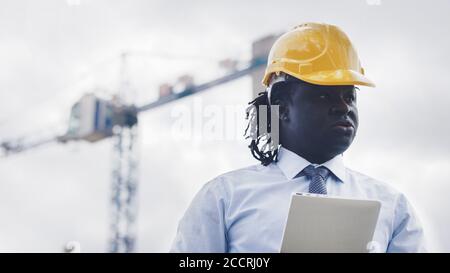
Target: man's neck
column 310, row 155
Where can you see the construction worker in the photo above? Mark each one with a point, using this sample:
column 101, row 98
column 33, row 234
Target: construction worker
column 312, row 76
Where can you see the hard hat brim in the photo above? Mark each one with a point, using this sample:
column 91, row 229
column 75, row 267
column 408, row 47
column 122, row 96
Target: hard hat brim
column 332, row 77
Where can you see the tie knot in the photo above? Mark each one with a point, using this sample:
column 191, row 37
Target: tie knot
column 311, row 171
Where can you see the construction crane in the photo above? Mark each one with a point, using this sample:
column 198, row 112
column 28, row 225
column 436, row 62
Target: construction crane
column 93, row 119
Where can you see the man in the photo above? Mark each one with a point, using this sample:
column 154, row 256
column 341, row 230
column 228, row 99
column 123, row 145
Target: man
column 311, row 76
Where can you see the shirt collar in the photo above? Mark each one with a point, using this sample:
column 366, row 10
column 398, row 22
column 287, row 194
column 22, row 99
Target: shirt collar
column 292, row 164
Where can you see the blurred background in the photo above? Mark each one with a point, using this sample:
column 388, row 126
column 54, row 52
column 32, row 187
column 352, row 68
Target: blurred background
column 63, row 193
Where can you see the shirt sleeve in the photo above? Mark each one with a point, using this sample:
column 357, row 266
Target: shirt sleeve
column 202, row 228
column 408, row 234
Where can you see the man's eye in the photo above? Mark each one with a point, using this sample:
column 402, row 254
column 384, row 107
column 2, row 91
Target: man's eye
column 350, row 99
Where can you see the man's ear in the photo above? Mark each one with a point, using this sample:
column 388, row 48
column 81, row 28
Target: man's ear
column 283, row 111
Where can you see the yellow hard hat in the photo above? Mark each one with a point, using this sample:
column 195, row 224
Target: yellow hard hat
column 317, row 53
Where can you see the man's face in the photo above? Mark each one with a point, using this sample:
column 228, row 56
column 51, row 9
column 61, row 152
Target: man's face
column 322, row 120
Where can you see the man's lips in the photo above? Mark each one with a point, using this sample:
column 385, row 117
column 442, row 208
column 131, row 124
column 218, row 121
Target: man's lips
column 345, row 127
column 344, row 124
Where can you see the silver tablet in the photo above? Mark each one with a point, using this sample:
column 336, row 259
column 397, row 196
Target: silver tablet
column 320, row 223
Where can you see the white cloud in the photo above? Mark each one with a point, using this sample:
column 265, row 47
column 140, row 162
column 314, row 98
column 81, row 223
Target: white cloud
column 53, row 52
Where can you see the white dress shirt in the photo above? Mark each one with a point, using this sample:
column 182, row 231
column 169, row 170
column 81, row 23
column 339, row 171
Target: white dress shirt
column 245, row 210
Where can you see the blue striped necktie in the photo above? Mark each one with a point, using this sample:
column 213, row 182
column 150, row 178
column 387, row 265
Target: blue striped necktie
column 318, row 177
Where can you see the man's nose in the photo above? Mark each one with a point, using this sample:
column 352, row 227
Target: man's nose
column 340, row 107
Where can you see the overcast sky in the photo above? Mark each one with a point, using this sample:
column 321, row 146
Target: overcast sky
column 54, row 51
